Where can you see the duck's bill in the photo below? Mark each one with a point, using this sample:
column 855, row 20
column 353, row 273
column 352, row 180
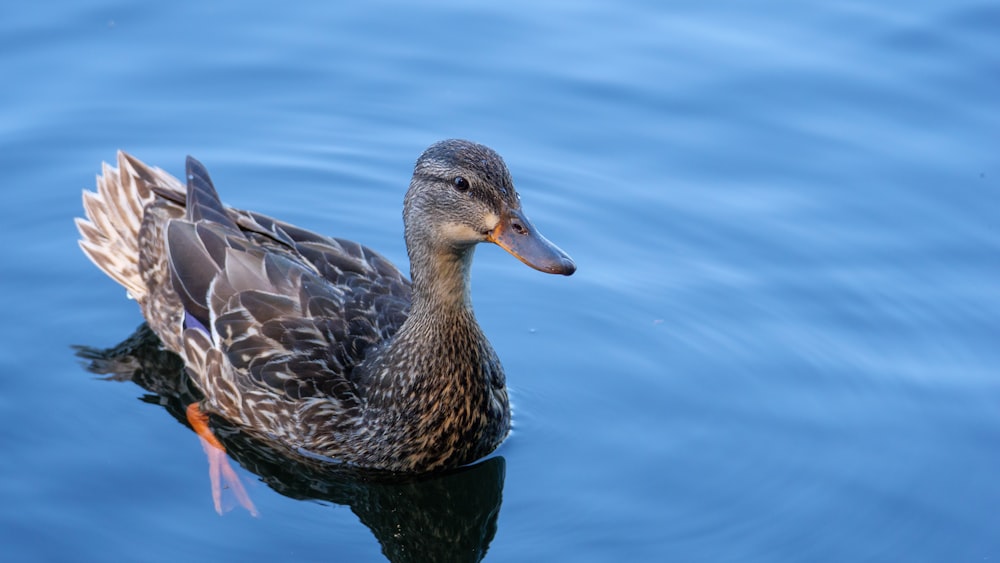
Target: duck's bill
column 517, row 235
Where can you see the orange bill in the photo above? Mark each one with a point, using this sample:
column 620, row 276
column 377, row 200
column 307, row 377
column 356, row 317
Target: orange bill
column 518, row 236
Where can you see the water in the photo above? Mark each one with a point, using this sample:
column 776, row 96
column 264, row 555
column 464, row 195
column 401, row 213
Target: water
column 781, row 343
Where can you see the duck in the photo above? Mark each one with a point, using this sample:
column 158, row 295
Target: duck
column 319, row 343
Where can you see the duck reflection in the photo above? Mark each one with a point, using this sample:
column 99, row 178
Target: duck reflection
column 442, row 517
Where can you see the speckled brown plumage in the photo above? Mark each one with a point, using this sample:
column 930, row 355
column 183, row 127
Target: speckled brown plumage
column 320, row 343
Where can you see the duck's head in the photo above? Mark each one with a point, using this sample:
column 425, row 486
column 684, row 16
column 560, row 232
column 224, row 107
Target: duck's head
column 461, row 194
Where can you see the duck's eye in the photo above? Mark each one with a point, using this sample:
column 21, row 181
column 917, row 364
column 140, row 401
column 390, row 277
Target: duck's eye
column 460, row 183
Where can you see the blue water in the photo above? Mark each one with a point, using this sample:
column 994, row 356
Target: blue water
column 781, row 343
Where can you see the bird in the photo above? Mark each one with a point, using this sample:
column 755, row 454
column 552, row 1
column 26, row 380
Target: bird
column 319, row 343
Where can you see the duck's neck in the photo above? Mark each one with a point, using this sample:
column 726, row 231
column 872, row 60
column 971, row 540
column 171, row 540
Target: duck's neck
column 441, row 287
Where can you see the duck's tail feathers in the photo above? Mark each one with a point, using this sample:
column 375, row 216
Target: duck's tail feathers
column 110, row 233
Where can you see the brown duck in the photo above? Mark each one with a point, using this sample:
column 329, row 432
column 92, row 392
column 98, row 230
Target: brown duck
column 317, row 343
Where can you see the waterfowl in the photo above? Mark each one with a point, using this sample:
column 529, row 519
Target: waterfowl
column 316, row 342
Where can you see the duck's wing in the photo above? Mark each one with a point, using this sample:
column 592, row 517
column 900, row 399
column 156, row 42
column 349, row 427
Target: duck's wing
column 293, row 312
column 374, row 288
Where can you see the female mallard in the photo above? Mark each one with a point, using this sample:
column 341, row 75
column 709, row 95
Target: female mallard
column 320, row 343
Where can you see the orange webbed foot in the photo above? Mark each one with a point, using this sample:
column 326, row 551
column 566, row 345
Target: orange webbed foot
column 220, row 471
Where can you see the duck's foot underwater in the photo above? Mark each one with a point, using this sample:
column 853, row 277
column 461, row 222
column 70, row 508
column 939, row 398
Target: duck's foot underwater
column 220, row 471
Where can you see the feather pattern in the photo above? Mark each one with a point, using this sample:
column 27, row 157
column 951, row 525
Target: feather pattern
column 317, row 343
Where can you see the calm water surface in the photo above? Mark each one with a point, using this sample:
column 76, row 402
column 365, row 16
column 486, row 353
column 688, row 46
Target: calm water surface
column 781, row 343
